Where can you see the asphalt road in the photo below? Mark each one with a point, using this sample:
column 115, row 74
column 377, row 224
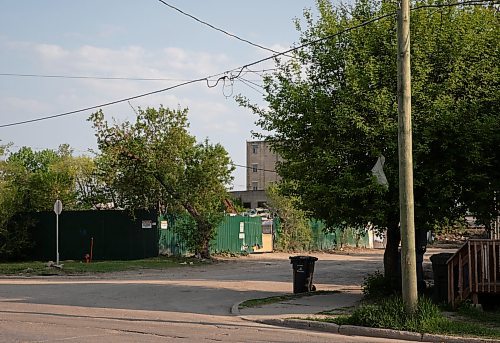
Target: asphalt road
column 186, row 304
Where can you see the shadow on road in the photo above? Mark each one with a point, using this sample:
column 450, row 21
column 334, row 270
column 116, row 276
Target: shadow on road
column 211, row 289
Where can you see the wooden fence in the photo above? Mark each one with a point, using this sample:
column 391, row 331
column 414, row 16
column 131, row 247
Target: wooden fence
column 473, row 270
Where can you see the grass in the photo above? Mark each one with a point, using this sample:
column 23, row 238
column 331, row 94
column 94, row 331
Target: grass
column 484, row 317
column 280, row 298
column 428, row 318
column 76, row 267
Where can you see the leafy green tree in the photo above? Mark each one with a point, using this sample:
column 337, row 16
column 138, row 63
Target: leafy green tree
column 333, row 112
column 295, row 233
column 31, row 181
column 43, row 176
column 155, row 162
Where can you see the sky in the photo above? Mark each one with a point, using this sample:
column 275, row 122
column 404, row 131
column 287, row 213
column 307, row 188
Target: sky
column 135, row 39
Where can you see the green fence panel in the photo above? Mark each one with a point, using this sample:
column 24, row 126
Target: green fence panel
column 330, row 240
column 116, row 235
column 322, row 240
column 238, row 233
column 234, row 234
column 169, row 242
column 352, row 237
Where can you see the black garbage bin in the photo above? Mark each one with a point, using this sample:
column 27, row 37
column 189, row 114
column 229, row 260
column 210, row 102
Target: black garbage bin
column 440, row 271
column 303, row 269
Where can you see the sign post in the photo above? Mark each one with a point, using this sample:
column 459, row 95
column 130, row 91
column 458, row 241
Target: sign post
column 57, row 210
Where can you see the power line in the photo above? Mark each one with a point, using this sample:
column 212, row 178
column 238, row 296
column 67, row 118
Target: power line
column 88, row 77
column 460, row 3
column 365, row 23
column 249, row 85
column 216, row 28
column 106, row 104
column 241, row 69
column 250, row 81
column 242, row 166
column 120, row 78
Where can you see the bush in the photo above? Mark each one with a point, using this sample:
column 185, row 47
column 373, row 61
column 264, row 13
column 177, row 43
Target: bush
column 15, row 239
column 391, row 314
column 376, row 286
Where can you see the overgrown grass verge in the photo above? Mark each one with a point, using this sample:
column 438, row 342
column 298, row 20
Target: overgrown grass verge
column 76, row 267
column 391, row 314
column 280, row 298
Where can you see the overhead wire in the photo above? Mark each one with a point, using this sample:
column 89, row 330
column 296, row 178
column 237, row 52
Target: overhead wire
column 250, row 81
column 108, row 103
column 246, row 66
column 217, row 28
column 262, row 169
column 222, row 78
column 118, row 78
column 252, row 87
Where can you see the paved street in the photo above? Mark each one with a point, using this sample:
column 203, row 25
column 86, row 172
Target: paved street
column 188, row 304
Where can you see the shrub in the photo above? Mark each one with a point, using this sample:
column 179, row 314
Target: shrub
column 376, row 286
column 391, row 314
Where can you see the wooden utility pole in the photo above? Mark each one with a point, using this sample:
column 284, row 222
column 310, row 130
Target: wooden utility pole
column 408, row 256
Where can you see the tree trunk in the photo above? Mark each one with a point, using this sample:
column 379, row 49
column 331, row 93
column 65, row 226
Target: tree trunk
column 391, row 256
column 204, row 232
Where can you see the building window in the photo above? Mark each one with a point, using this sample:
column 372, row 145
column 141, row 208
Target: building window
column 255, row 167
column 255, row 148
column 255, row 185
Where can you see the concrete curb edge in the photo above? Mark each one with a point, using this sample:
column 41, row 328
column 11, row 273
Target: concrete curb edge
column 235, row 309
column 351, row 330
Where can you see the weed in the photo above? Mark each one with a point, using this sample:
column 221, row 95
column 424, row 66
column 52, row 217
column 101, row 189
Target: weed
column 280, row 298
column 391, row 314
column 376, row 286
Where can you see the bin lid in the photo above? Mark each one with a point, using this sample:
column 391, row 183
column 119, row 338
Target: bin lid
column 303, row 258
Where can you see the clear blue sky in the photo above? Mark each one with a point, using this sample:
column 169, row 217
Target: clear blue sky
column 140, row 39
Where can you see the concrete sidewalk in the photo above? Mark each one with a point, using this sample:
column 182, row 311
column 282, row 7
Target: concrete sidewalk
column 295, row 314
column 301, row 307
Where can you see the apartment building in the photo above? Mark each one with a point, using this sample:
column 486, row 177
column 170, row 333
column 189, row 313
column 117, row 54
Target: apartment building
column 261, row 166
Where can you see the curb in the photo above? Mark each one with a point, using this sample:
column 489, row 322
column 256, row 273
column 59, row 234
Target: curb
column 351, row 330
column 235, row 309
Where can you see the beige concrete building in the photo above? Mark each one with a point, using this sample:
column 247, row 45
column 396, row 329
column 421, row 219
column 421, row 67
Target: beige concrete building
column 261, row 166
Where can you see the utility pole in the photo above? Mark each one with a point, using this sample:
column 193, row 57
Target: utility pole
column 406, row 204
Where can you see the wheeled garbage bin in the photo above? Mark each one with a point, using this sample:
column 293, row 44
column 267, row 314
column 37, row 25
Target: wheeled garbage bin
column 440, row 271
column 303, row 269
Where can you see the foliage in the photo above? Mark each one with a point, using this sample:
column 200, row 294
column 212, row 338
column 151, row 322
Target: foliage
column 376, row 286
column 156, row 163
column 457, row 226
column 76, row 267
column 333, row 112
column 391, row 314
column 295, row 232
column 281, row 298
column 32, row 181
column 487, row 317
column 185, row 226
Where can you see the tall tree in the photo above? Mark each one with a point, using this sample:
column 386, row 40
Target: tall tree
column 333, row 112
column 31, row 181
column 295, row 232
column 156, row 162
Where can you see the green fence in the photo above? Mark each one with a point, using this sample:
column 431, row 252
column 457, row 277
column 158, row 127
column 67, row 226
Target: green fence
column 116, row 235
column 235, row 234
column 332, row 239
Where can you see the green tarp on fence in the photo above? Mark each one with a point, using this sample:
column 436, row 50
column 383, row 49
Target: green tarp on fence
column 333, row 239
column 116, row 235
column 235, row 234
